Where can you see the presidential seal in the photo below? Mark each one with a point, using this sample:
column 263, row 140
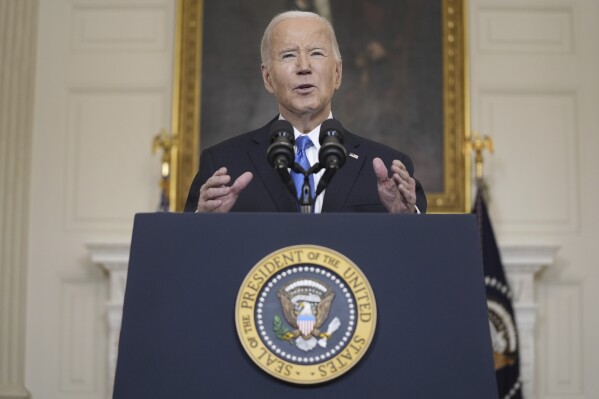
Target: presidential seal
column 305, row 314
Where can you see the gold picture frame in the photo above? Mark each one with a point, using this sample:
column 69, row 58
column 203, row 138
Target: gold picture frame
column 186, row 112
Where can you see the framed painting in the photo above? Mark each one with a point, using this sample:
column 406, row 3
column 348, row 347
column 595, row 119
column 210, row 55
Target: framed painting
column 404, row 83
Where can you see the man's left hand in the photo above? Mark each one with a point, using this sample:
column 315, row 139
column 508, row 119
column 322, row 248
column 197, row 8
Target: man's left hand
column 398, row 192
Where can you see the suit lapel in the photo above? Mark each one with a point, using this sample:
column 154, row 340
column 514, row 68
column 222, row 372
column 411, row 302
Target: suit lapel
column 343, row 182
column 272, row 182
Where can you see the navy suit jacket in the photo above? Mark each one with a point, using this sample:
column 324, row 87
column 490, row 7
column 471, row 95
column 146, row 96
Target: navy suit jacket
column 352, row 189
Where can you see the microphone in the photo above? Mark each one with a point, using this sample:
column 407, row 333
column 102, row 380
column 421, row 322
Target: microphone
column 332, row 153
column 280, row 152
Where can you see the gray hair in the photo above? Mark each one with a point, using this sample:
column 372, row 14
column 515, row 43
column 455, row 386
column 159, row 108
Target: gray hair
column 265, row 44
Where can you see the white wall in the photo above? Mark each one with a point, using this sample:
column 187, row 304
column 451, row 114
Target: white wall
column 535, row 91
column 104, row 88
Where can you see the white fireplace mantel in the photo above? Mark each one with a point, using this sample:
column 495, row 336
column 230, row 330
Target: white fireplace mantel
column 113, row 257
column 521, row 263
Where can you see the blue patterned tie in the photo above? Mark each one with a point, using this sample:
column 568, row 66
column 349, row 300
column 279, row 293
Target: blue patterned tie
column 302, row 143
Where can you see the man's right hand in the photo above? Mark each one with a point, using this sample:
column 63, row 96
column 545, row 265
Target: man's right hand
column 216, row 196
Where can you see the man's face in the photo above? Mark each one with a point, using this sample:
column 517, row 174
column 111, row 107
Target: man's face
column 302, row 72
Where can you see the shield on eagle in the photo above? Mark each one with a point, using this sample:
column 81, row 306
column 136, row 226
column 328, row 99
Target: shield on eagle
column 306, row 319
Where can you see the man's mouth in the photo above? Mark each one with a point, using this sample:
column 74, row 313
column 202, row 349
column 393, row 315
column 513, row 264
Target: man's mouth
column 304, row 88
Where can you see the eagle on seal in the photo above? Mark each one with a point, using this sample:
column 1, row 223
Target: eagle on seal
column 304, row 317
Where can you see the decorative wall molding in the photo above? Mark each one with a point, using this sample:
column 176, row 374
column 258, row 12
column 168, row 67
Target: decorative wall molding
column 119, row 27
column 92, row 134
column 525, row 29
column 18, row 20
column 520, row 121
column 563, row 349
column 522, row 263
column 79, row 336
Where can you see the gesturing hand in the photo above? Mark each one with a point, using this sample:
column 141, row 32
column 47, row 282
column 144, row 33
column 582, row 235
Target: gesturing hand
column 398, row 192
column 216, row 196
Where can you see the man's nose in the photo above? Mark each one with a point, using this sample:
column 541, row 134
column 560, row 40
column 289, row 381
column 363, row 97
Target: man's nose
column 303, row 63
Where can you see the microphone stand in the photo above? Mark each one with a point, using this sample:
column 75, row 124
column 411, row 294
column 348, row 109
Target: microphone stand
column 306, row 201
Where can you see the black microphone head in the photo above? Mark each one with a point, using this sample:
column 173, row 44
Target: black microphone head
column 280, row 153
column 331, row 127
column 332, row 153
column 279, row 126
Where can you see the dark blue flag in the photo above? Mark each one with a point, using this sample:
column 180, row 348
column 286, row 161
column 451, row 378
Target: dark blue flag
column 504, row 333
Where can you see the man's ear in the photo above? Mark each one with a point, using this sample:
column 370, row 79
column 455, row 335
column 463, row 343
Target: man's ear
column 266, row 78
column 339, row 74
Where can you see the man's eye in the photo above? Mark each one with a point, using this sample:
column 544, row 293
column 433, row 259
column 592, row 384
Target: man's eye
column 288, row 55
column 317, row 54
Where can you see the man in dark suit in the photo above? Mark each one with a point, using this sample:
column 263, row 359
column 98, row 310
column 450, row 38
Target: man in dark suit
column 301, row 67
